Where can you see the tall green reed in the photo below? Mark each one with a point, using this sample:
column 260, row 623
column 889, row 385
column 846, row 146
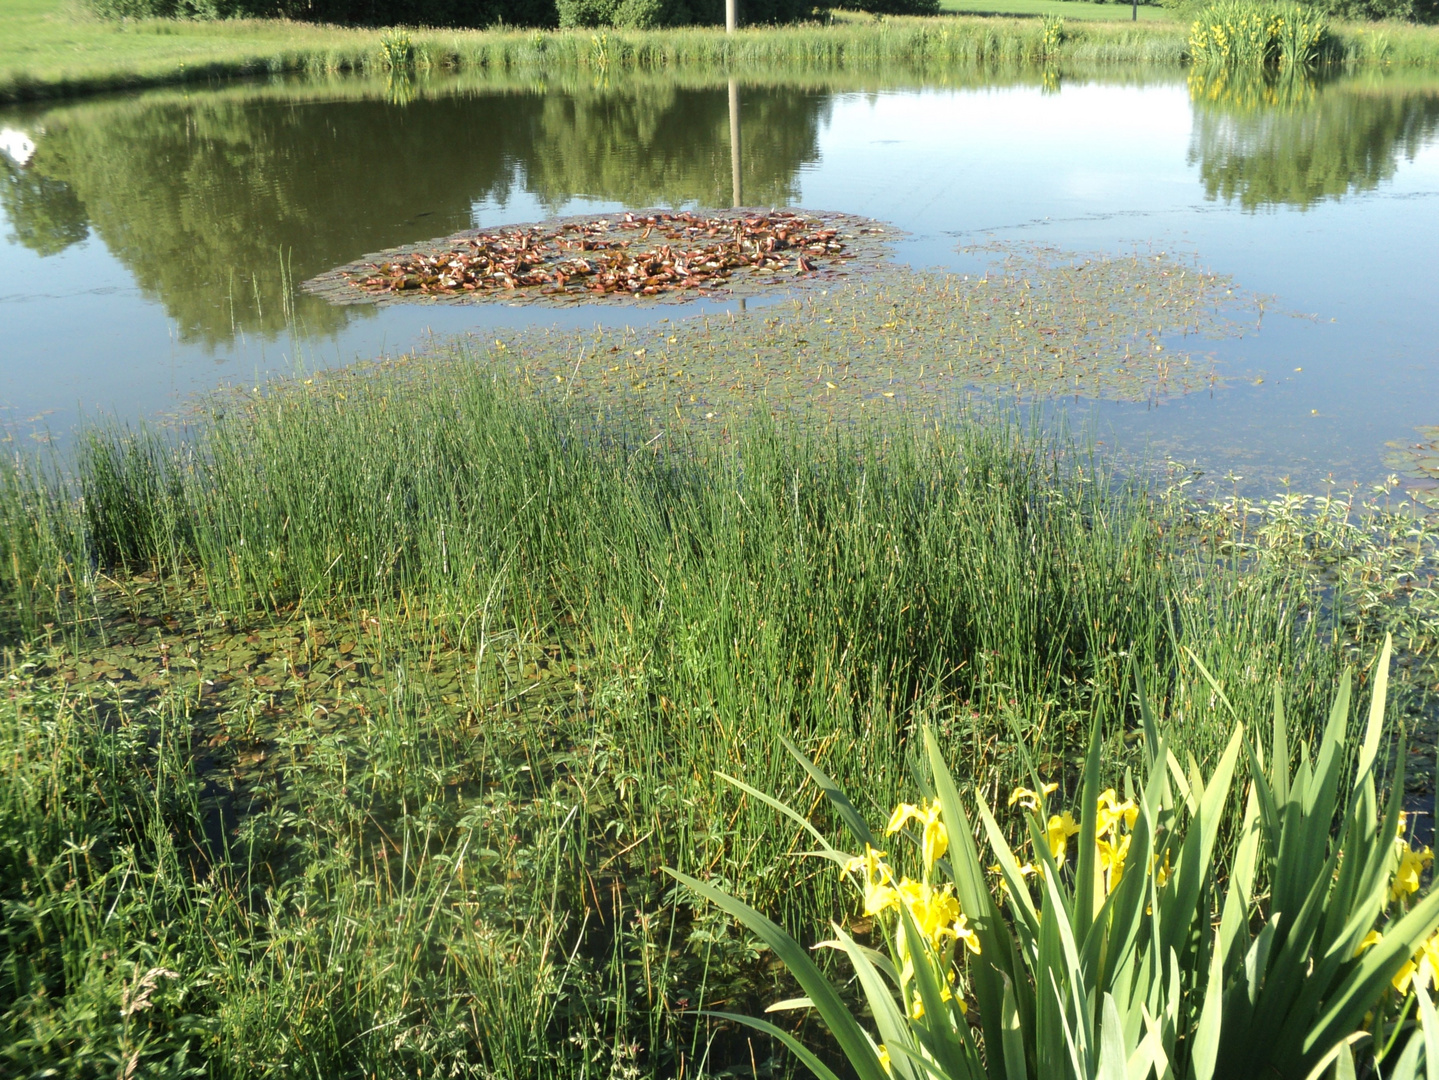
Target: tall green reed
column 785, row 578
column 833, row 586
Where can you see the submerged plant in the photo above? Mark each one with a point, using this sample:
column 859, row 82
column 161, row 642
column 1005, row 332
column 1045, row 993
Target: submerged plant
column 1152, row 949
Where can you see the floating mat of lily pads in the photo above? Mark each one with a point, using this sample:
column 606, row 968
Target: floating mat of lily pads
column 644, row 256
column 1039, row 324
column 1417, row 462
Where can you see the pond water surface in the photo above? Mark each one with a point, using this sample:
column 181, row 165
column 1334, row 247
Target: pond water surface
column 153, row 244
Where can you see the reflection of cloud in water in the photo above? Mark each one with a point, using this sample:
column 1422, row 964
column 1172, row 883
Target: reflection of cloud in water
column 17, row 146
column 1289, row 140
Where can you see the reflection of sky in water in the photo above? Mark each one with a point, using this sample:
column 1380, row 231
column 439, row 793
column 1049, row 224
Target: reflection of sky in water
column 1092, row 167
column 1104, row 167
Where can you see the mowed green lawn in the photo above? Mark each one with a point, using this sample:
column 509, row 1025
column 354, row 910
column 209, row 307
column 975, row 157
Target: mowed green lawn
column 1064, row 9
column 56, row 42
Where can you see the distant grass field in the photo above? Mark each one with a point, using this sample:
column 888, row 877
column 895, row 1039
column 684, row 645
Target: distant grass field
column 1063, row 9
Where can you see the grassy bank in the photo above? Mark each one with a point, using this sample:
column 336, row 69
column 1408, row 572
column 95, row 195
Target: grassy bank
column 48, row 53
column 347, row 736
column 1069, row 10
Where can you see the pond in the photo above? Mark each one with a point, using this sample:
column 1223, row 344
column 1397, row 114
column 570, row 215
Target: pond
column 154, row 244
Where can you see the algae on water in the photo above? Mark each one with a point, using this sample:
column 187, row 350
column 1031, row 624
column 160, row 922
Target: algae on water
column 1040, row 323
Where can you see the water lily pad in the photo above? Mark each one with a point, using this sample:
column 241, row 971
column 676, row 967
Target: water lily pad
column 1041, row 323
column 1417, row 463
column 643, row 256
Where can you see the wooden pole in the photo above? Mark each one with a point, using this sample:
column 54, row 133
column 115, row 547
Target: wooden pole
column 731, row 16
column 736, row 178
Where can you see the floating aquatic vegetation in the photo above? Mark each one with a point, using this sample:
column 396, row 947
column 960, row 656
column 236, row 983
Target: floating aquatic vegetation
column 1039, row 324
column 1417, row 462
column 635, row 256
column 253, row 685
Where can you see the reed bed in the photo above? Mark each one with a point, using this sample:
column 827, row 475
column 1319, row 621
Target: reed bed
column 1233, row 33
column 92, row 58
column 348, row 732
column 152, row 52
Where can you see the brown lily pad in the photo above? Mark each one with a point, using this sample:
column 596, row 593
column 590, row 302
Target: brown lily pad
column 640, row 256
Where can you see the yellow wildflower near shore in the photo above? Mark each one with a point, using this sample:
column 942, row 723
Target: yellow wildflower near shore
column 1111, row 845
column 936, row 839
column 1060, row 828
column 1032, row 800
column 1411, row 864
column 1421, row 967
column 878, row 880
column 940, row 926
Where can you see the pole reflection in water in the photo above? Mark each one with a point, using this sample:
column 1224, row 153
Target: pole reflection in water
column 736, row 183
column 735, row 176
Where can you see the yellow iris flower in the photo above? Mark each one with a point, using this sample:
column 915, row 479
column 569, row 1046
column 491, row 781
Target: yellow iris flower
column 1112, row 812
column 1411, row 865
column 1061, row 827
column 936, row 838
column 936, row 914
column 879, row 893
column 1424, row 963
column 1024, row 871
column 1112, row 855
column 1032, row 800
column 1161, row 873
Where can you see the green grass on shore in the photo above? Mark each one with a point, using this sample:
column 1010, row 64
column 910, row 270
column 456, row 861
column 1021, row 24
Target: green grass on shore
column 47, row 50
column 348, row 733
column 51, row 47
column 1068, row 10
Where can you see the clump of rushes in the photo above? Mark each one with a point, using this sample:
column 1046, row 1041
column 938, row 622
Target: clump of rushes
column 1054, row 36
column 1234, row 33
column 1155, row 948
column 397, row 50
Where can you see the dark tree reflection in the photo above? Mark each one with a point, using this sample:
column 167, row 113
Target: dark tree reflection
column 220, row 204
column 1292, row 141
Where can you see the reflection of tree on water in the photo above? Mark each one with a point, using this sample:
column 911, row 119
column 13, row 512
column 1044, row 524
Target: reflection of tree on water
column 671, row 145
column 1289, row 140
column 44, row 214
column 219, row 205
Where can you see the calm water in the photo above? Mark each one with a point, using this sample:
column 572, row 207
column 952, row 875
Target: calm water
column 152, row 243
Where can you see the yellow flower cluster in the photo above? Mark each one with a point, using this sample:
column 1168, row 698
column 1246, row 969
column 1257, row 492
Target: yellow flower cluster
column 935, row 841
column 1409, row 867
column 935, row 911
column 1424, row 963
column 1411, row 864
column 1111, row 844
column 1057, row 829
